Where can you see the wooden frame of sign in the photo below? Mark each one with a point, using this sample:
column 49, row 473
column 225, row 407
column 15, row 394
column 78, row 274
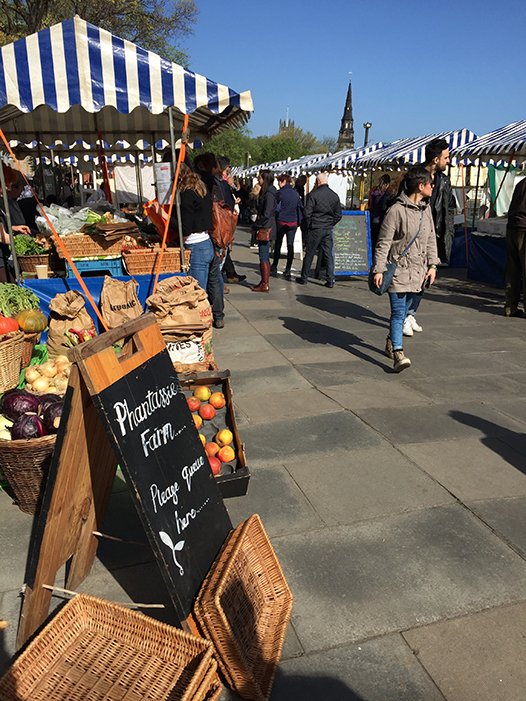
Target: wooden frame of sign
column 352, row 244
column 125, row 409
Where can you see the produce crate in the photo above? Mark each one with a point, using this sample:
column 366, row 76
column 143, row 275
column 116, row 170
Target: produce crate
column 25, row 464
column 11, row 361
column 234, row 482
column 144, row 262
column 99, row 268
column 85, row 245
column 244, row 607
column 27, row 263
column 94, row 649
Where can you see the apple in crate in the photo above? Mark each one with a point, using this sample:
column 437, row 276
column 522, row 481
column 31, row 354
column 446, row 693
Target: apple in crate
column 215, row 464
column 202, row 393
column 211, row 449
column 217, row 400
column 224, row 437
column 198, row 421
column 226, row 454
column 203, row 439
column 193, row 403
column 206, row 411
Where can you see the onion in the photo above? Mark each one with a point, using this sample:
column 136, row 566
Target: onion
column 28, row 426
column 61, row 359
column 41, row 384
column 48, row 369
column 17, row 402
column 31, row 374
column 61, row 384
column 61, row 367
column 67, row 370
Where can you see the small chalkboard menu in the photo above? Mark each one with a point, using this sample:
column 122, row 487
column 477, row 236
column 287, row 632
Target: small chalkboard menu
column 159, row 450
column 352, row 244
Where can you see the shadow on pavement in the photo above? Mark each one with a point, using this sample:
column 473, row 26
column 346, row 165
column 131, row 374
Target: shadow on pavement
column 340, row 339
column 307, row 688
column 499, row 441
column 345, row 309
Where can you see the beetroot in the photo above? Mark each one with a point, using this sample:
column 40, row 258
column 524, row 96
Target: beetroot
column 16, row 402
column 28, row 426
column 51, row 416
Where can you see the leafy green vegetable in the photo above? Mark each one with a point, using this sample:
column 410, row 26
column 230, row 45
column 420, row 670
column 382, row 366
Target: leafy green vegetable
column 27, row 246
column 93, row 217
column 14, row 299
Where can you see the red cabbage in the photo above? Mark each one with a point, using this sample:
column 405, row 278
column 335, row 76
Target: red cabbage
column 51, row 416
column 17, row 402
column 28, row 426
column 46, row 400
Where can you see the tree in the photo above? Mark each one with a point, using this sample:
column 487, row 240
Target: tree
column 153, row 24
column 329, row 143
column 232, row 143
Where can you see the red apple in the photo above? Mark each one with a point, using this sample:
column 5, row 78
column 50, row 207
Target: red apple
column 198, row 421
column 224, row 437
column 203, row 393
column 203, row 439
column 193, row 403
column 226, row 454
column 217, row 400
column 207, row 411
column 211, row 449
column 215, row 464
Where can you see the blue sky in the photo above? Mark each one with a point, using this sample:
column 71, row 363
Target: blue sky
column 417, row 67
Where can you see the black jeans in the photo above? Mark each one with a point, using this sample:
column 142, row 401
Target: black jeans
column 515, row 269
column 289, row 232
column 214, row 290
column 321, row 238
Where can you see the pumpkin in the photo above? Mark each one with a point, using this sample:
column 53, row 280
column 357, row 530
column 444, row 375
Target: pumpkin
column 31, row 321
column 7, row 324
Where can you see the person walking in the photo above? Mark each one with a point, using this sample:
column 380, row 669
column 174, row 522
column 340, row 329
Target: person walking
column 266, row 220
column 376, row 207
column 289, row 213
column 407, row 237
column 515, row 270
column 322, row 212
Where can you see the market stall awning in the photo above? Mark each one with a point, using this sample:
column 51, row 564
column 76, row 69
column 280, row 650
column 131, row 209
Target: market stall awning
column 344, row 160
column 72, row 80
column 496, row 146
column 411, row 151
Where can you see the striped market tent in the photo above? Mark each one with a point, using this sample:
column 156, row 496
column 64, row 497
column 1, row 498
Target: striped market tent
column 72, row 80
column 344, row 160
column 411, row 151
column 497, row 146
column 301, row 165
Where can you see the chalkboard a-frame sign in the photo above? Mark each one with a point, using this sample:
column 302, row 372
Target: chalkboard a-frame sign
column 352, row 244
column 143, row 412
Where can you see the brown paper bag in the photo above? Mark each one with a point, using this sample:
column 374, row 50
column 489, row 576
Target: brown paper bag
column 119, row 301
column 67, row 311
column 184, row 316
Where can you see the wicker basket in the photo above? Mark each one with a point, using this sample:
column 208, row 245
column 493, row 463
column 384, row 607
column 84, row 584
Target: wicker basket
column 27, row 263
column 93, row 650
column 30, row 341
column 210, row 688
column 25, row 464
column 244, row 607
column 85, row 245
column 11, row 361
column 144, row 262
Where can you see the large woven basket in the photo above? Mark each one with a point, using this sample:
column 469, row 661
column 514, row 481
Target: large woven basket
column 244, row 607
column 25, row 464
column 11, row 361
column 145, row 262
column 27, row 263
column 84, row 245
column 94, row 650
column 30, row 341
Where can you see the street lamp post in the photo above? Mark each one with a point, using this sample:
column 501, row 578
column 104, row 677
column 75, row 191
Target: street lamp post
column 367, row 126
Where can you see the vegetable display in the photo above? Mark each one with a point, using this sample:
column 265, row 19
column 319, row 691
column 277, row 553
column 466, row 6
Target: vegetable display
column 51, row 376
column 31, row 321
column 28, row 426
column 27, row 246
column 17, row 402
column 7, row 325
column 25, row 416
column 14, row 299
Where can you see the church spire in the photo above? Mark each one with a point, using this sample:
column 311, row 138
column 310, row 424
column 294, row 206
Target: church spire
column 346, row 135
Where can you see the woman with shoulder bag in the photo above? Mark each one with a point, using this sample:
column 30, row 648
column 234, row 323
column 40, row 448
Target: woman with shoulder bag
column 289, row 215
column 407, row 238
column 265, row 226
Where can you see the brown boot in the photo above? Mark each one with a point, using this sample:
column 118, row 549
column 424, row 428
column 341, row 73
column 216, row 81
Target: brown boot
column 265, row 275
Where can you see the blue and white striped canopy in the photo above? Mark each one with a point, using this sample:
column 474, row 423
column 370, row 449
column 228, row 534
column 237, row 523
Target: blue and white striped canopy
column 343, row 160
column 497, row 145
column 411, row 151
column 74, row 79
column 301, row 165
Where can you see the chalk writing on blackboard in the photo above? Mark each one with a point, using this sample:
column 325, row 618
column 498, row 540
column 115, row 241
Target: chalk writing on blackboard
column 352, row 244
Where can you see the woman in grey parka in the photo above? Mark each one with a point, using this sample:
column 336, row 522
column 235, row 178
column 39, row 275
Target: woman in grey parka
column 407, row 216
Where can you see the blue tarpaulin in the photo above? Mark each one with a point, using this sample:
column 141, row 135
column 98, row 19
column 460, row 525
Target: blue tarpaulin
column 487, row 259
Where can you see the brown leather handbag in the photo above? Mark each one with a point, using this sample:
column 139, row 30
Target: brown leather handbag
column 263, row 235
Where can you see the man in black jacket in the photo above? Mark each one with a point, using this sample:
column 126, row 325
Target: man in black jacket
column 516, row 250
column 322, row 212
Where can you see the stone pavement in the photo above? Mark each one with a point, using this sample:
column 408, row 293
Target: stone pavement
column 396, row 503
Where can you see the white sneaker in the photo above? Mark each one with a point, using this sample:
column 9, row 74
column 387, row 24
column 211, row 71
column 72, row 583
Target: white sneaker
column 414, row 323
column 407, row 329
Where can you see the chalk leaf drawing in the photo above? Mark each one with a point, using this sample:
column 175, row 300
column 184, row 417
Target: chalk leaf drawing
column 178, row 546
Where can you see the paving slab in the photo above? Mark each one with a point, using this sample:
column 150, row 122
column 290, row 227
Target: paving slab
column 363, row 363
column 514, row 407
column 453, row 364
column 476, row 658
column 377, row 670
column 507, row 517
column 439, row 422
column 234, row 329
column 366, row 484
column 293, row 404
column 276, row 497
column 320, row 436
column 472, row 468
column 291, row 340
column 368, row 393
column 15, row 533
column 264, row 380
column 244, row 344
column 484, row 388
column 318, row 354
column 396, row 573
column 249, row 361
